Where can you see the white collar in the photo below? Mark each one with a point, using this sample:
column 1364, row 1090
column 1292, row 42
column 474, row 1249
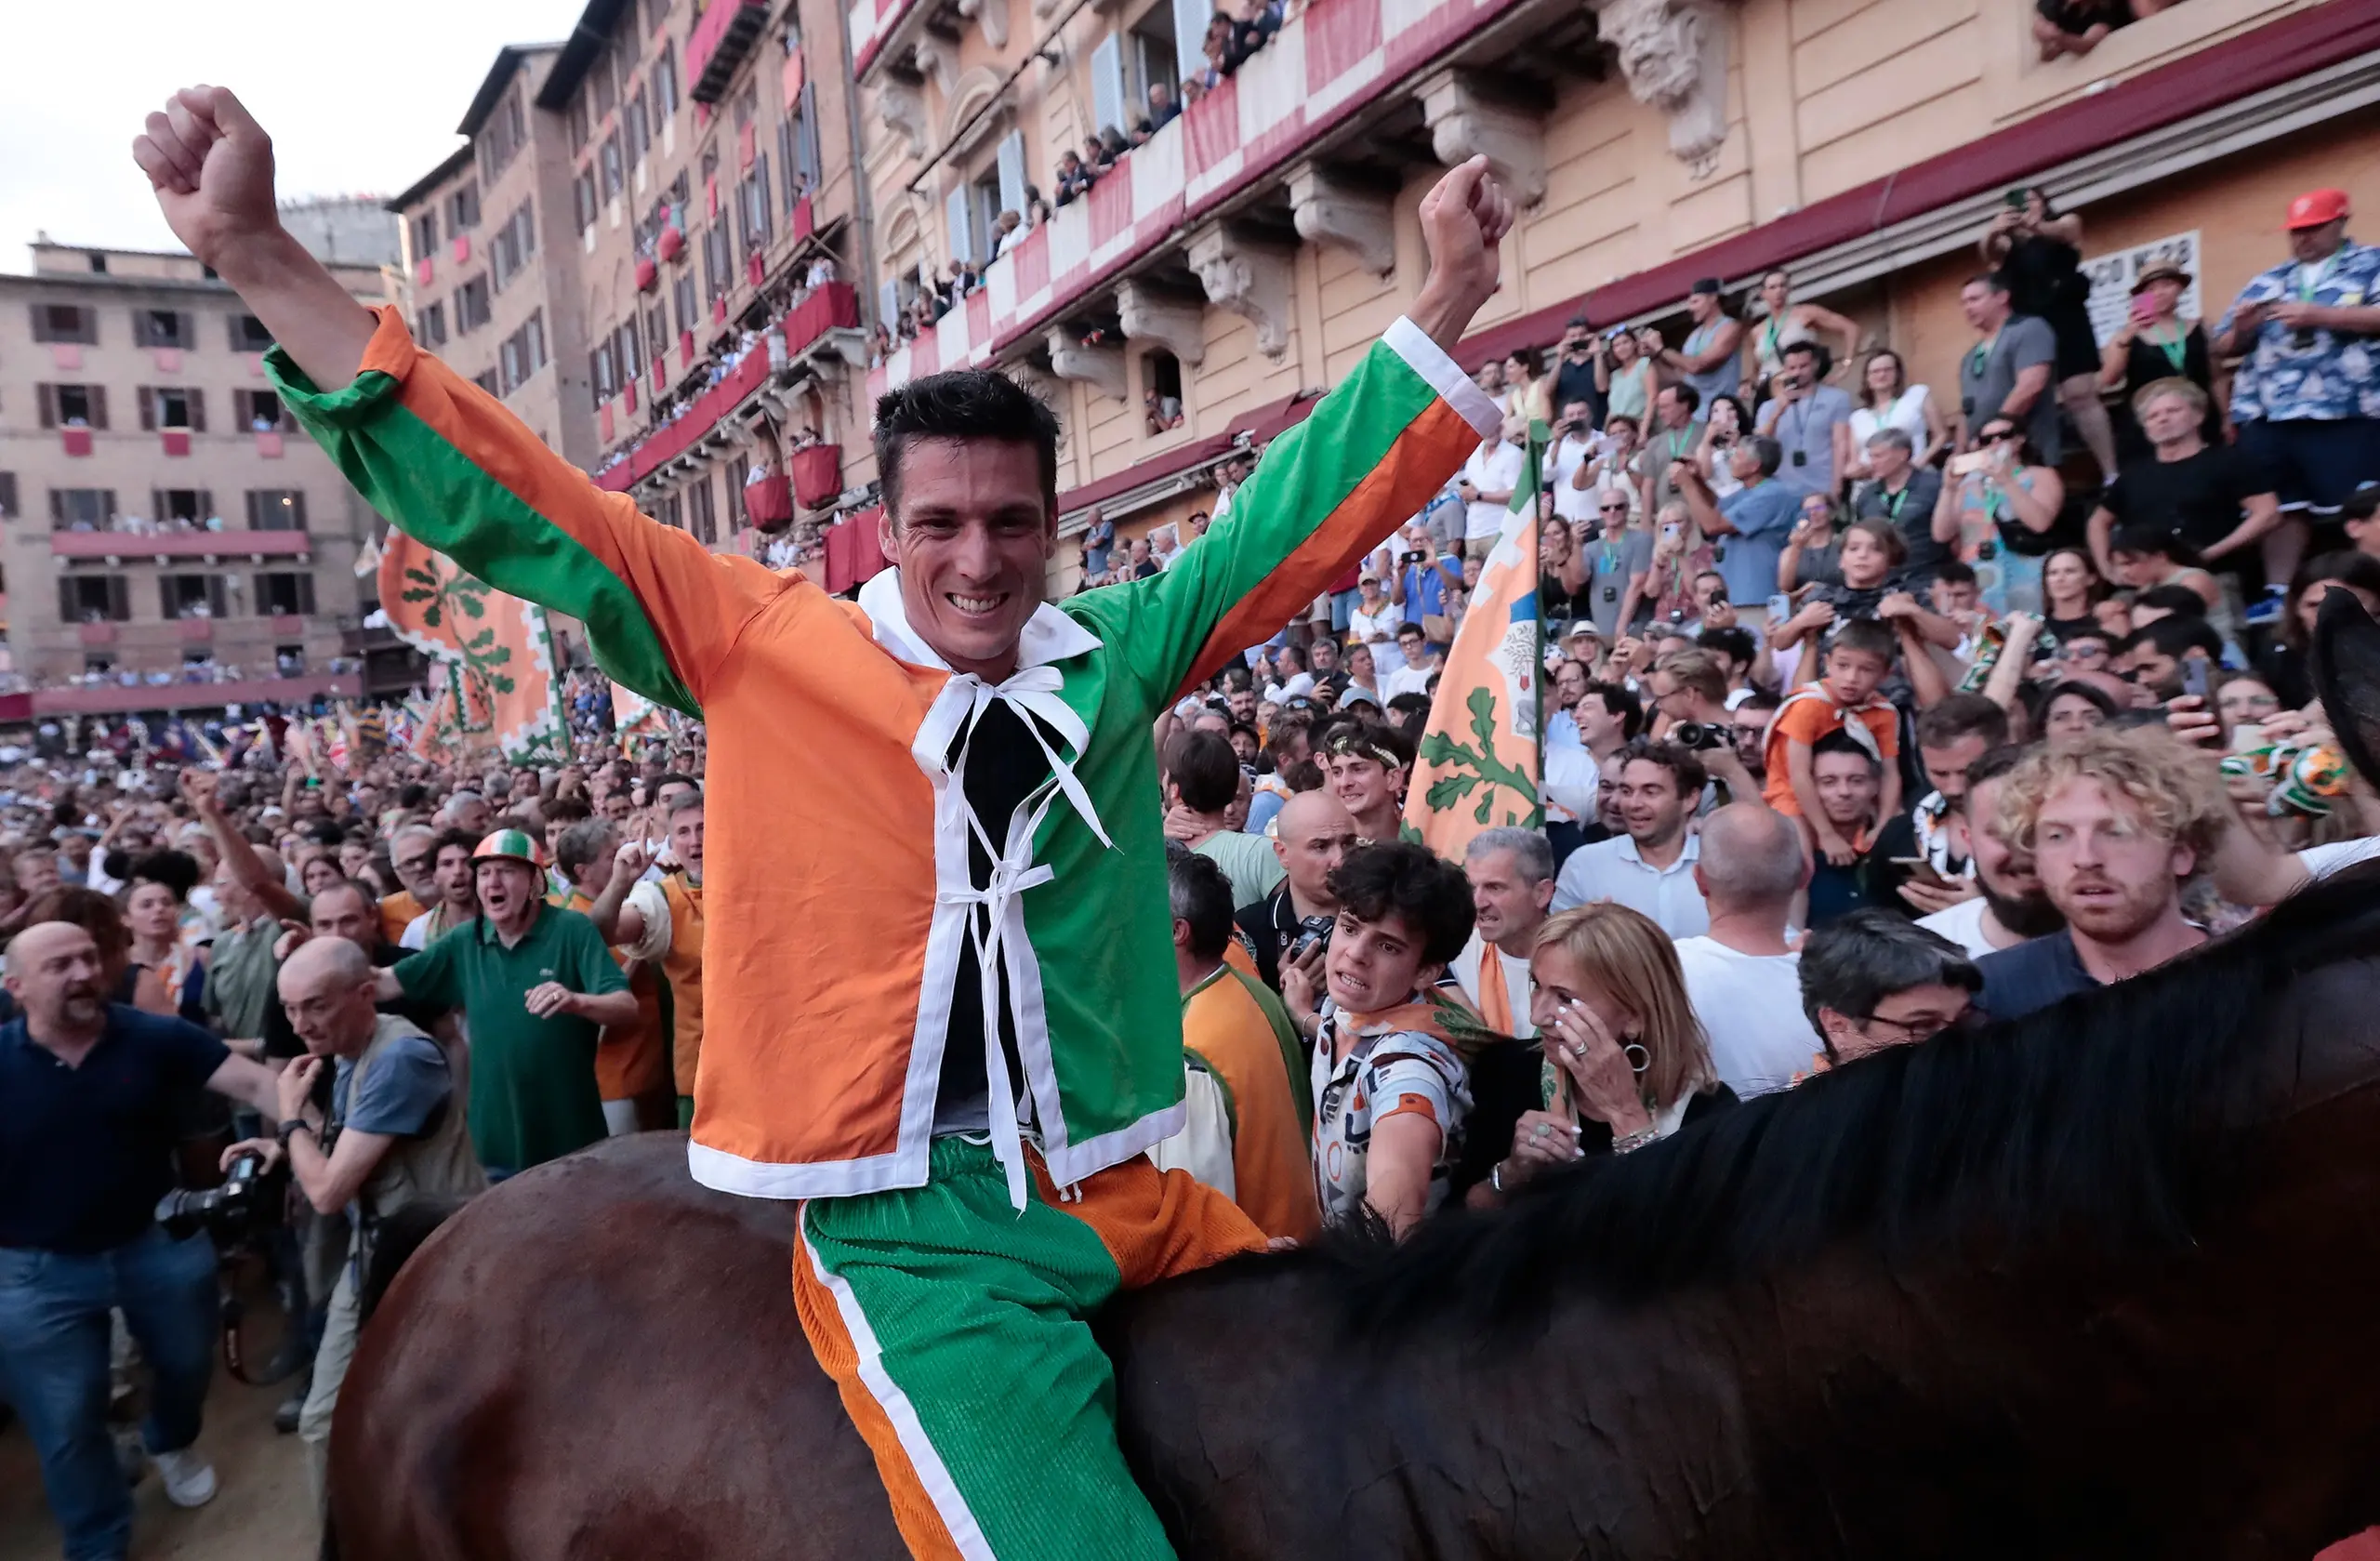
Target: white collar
column 1627, row 852
column 1049, row 635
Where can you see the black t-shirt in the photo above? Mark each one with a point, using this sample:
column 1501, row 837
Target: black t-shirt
column 87, row 1152
column 1874, row 879
column 1268, row 926
column 2199, row 499
column 1576, row 382
column 2031, row 976
column 1003, row 766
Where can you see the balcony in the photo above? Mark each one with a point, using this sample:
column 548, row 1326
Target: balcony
column 873, row 21
column 164, row 544
column 832, row 307
column 719, row 43
column 91, row 700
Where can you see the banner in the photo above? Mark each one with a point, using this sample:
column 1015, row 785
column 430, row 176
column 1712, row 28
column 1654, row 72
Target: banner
column 1478, row 767
column 636, row 720
column 501, row 649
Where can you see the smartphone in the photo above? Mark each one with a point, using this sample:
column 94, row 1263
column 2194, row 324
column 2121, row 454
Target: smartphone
column 1970, row 463
column 1921, row 870
column 2248, row 737
column 1780, row 607
column 2017, row 198
column 2144, row 308
column 1671, row 532
column 2194, row 676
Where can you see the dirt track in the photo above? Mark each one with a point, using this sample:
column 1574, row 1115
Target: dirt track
column 260, row 1513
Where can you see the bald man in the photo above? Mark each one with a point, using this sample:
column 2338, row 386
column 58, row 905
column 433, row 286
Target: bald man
column 394, row 1134
column 1311, row 833
column 1744, row 982
column 91, row 1098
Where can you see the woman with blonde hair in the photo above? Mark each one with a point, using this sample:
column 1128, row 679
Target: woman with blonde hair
column 1626, row 1061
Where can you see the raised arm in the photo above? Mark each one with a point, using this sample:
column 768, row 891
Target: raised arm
column 1371, row 454
column 198, row 789
column 429, row 449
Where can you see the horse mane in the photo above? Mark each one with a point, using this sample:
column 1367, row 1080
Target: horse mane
column 2112, row 1115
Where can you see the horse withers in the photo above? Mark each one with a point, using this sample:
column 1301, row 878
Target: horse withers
column 2091, row 1286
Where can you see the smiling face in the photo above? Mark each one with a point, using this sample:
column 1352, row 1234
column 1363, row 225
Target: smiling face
column 973, row 540
column 1649, row 804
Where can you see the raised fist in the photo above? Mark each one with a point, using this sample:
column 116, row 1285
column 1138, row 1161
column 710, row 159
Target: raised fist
column 212, row 166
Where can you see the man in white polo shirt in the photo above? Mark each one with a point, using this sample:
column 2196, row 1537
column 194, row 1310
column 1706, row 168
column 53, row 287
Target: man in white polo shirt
column 1650, row 868
column 1744, row 983
column 1489, row 479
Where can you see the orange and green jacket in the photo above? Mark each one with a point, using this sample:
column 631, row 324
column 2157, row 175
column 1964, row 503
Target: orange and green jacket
column 837, row 891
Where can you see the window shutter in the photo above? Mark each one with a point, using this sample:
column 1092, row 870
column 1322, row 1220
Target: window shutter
column 888, row 311
column 197, row 400
column 141, row 329
column 156, row 504
column 298, row 508
column 99, row 407
column 1190, row 19
column 56, row 508
column 66, row 613
column 119, row 597
column 1108, row 85
column 47, row 396
column 186, row 330
column 1012, row 172
column 963, row 245
column 147, row 410
column 205, row 504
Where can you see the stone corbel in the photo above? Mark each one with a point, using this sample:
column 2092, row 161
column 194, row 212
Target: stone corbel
column 1100, row 367
column 932, row 60
column 990, row 15
column 1173, row 322
column 1468, row 117
column 902, row 108
column 1250, row 279
column 1674, row 54
column 1330, row 210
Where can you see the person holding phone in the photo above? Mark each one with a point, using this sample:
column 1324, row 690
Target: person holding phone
column 1626, row 378
column 1999, row 489
column 2157, row 342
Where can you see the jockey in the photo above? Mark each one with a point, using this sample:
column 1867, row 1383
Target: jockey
column 940, row 1009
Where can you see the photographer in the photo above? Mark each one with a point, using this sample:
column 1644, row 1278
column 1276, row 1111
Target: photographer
column 1689, row 691
column 394, row 1134
column 92, row 1099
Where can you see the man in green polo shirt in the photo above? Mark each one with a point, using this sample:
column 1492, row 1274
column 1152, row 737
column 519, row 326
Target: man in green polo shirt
column 537, row 988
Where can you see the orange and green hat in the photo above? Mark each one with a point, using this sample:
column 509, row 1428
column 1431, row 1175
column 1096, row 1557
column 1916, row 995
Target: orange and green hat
column 516, row 845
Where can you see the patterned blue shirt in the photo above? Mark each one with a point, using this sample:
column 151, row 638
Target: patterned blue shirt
column 2319, row 374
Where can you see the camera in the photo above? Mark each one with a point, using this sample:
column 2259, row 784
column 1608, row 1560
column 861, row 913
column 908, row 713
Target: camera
column 1313, row 931
column 227, row 1212
column 1695, row 735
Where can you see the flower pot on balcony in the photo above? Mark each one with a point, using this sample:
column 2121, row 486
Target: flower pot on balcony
column 767, row 503
column 672, row 244
column 648, row 275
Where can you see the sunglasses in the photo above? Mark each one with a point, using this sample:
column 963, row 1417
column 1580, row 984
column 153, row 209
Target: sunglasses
column 1613, row 509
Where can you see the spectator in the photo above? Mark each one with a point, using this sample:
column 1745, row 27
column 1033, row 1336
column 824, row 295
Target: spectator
column 1887, row 400
column 1903, row 493
column 2359, row 517
column 2075, row 709
column 1163, row 109
column 2151, row 657
column 1295, row 681
column 1362, row 686
column 2038, row 252
column 1650, row 868
column 1420, row 585
column 2008, row 906
column 2071, row 588
column 1873, row 980
column 2306, row 398
column 2154, row 343
column 1851, row 784
column 1675, row 441
column 1619, row 563
column 1811, row 422
column 2216, row 497
column 1951, row 735
column 1629, row 1065
column 1741, row 976
column 1312, row 835
column 1689, row 690
column 1374, row 619
column 1235, row 1030
column 1812, row 552
column 1575, row 444
column 2163, row 571
column 1626, row 377
column 1561, row 570
column 87, row 1153
column 1857, row 662
column 457, row 894
column 2283, row 663
column 1367, row 764
column 1787, row 323
column 2005, row 495
column 1580, row 749
column 1706, row 359
column 1575, row 380
column 1756, row 520
column 1074, row 177
column 1511, row 872
column 2079, row 26
column 535, row 985
column 2008, row 371
column 1723, row 427
column 1421, row 666
column 2118, row 823
column 632, row 1064
column 1493, row 471
column 1390, row 1088
column 1202, row 776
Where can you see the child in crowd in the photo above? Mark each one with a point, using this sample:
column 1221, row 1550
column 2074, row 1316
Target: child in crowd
column 1858, row 657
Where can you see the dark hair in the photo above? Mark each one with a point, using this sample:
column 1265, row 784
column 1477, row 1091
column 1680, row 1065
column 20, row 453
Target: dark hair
column 2179, row 600
column 2357, row 571
column 1620, row 700
column 2091, row 694
column 87, row 908
column 1743, row 419
column 1736, row 644
column 412, row 795
column 1840, row 741
column 965, row 404
column 1204, row 768
column 1869, row 635
column 562, row 810
column 463, row 838
column 1885, row 535
column 177, row 870
column 1759, row 699
column 1409, row 625
column 1962, row 715
column 1684, row 769
column 1768, row 452
column 1409, row 704
column 2176, row 636
column 2148, row 537
column 1815, row 349
column 1431, row 893
column 1955, row 572
column 1688, row 397
column 1370, row 739
column 672, row 777
column 1201, row 896
column 1998, row 762
column 1864, row 955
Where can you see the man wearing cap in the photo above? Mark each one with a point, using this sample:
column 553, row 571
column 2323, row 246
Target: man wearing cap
column 1374, row 619
column 1706, row 359
column 2306, row 397
column 536, row 986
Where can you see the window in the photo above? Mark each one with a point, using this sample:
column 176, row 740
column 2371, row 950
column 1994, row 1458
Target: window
column 160, row 327
column 284, row 595
column 612, row 166
column 82, row 509
column 506, row 131
column 627, row 355
column 94, row 599
column 463, row 209
column 737, row 470
column 1152, row 58
column 172, row 407
column 259, row 412
column 640, row 130
column 798, row 148
column 1161, row 373
column 700, row 519
column 603, row 86
column 523, row 354
column 429, row 326
column 1108, row 85
column 193, row 596
column 98, row 264
column 185, row 506
column 289, row 661
column 100, row 665
column 72, row 407
column 673, row 512
column 276, row 509
column 599, row 373
column 717, row 263
column 682, row 291
column 471, row 305
column 508, row 252
column 249, row 333
column 580, row 127
column 7, row 495
column 664, row 82
column 487, row 382
column 425, row 236
column 753, row 217
column 65, row 322
column 656, row 332
column 582, row 199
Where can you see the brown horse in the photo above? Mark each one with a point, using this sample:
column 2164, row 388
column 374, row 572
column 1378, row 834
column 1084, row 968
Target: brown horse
column 2094, row 1287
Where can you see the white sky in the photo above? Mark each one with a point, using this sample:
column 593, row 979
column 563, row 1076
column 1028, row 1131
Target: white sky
column 360, row 98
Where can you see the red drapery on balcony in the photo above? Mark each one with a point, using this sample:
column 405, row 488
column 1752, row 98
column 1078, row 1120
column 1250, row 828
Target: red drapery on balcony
column 851, row 553
column 817, row 474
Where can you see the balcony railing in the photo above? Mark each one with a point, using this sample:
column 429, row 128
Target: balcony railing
column 833, row 306
column 180, row 544
column 719, row 43
column 86, row 699
column 872, row 22
column 1327, row 64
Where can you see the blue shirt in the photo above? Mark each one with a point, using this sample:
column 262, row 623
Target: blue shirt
column 2331, row 375
column 1425, row 591
column 87, row 1152
column 1764, row 515
column 2030, row 976
column 408, row 1086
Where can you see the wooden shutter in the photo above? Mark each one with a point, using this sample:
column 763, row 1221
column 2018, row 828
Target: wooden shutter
column 147, row 410
column 888, row 314
column 156, row 504
column 963, row 245
column 99, row 394
column 205, row 504
column 1190, row 18
column 186, row 330
column 66, row 613
column 298, row 508
column 119, row 597
column 1011, row 165
column 56, row 508
column 1108, row 85
column 196, row 399
column 47, row 396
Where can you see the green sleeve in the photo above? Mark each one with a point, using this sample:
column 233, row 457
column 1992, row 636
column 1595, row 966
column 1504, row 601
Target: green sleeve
column 1371, row 454
column 593, row 969
column 430, row 976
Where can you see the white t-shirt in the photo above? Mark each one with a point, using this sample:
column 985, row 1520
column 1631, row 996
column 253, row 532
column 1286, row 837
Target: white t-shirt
column 1405, row 680
column 1388, row 620
column 1907, row 413
column 1572, row 504
column 2324, row 860
column 1751, row 1007
column 1962, row 924
column 1497, row 472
